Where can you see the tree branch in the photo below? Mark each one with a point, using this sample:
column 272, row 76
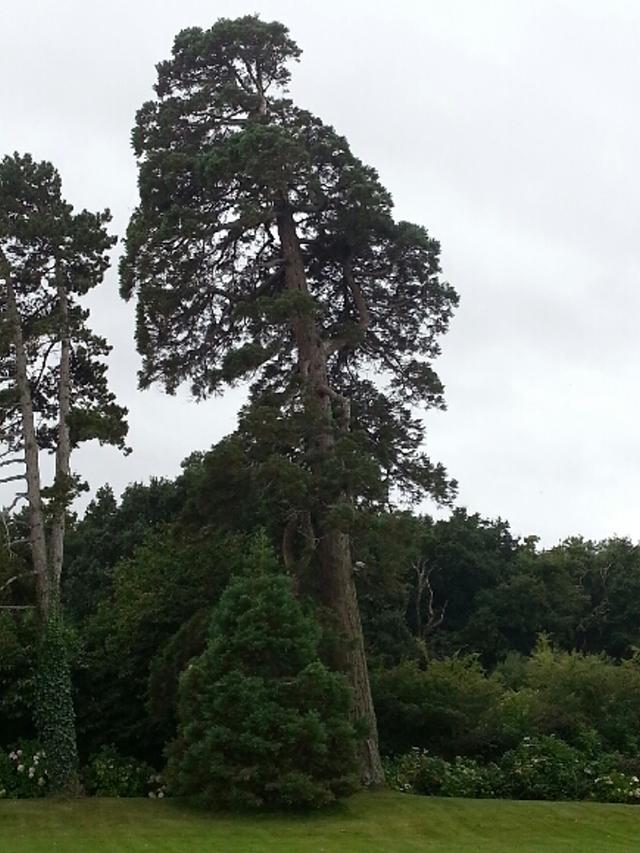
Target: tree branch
column 15, row 578
column 21, row 496
column 14, row 477
column 14, row 461
column 364, row 317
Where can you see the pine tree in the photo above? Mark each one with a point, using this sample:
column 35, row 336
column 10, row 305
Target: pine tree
column 53, row 395
column 262, row 722
column 263, row 249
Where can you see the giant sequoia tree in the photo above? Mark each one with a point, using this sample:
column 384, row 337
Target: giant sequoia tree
column 53, row 395
column 263, row 249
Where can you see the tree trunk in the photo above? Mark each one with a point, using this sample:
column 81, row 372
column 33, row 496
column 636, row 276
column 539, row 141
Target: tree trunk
column 336, row 587
column 53, row 706
column 340, row 598
column 63, row 449
column 37, row 534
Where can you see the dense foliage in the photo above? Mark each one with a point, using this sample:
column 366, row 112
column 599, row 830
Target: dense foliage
column 242, row 620
column 150, row 568
column 261, row 720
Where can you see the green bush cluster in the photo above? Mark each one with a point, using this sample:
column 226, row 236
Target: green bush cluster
column 453, row 707
column 541, row 768
column 110, row 774
column 24, row 772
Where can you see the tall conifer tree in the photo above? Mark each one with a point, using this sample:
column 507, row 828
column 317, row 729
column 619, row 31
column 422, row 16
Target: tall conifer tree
column 53, row 395
column 263, row 249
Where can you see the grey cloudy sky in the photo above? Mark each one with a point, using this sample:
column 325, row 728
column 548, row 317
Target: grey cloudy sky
column 510, row 129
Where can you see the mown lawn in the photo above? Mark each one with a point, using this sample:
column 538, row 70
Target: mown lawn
column 369, row 823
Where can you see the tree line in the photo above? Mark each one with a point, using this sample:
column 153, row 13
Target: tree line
column 262, row 251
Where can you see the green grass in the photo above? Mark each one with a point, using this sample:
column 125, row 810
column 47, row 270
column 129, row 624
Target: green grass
column 368, row 823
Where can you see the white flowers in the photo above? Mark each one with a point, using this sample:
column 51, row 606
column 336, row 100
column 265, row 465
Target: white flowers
column 29, row 764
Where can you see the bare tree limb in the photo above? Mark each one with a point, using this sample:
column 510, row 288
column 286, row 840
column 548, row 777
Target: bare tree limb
column 15, row 461
column 21, row 496
column 15, row 578
column 14, row 477
column 435, row 616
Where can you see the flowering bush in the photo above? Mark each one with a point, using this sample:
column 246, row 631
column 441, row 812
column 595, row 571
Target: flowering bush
column 109, row 774
column 23, row 772
column 546, row 768
column 422, row 773
column 615, row 787
column 542, row 768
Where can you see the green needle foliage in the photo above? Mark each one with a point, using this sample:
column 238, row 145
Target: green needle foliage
column 227, row 162
column 262, row 722
column 263, row 250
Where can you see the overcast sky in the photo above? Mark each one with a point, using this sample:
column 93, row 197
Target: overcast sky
column 510, row 129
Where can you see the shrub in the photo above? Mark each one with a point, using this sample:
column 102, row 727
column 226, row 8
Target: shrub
column 262, row 722
column 577, row 692
column 23, row 772
column 445, row 708
column 110, row 774
column 18, row 641
column 544, row 768
column 615, row 787
column 421, row 773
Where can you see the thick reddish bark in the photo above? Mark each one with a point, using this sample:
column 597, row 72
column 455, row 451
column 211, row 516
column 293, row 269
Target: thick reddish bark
column 336, row 588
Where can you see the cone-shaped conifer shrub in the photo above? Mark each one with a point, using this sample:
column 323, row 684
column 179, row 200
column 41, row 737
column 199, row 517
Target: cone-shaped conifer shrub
column 262, row 722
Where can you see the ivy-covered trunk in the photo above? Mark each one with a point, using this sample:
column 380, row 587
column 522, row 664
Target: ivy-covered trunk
column 54, row 713
column 336, row 587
